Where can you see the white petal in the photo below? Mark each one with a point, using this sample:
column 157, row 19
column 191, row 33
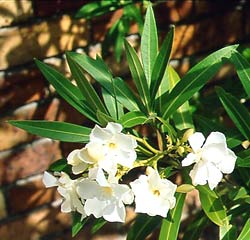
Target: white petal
column 99, row 134
column 79, row 168
column 114, row 127
column 123, row 193
column 199, row 174
column 214, row 153
column 66, row 206
column 196, row 141
column 98, row 175
column 126, row 159
column 228, row 162
column 214, row 176
column 87, row 189
column 215, row 137
column 190, row 159
column 125, row 142
column 49, row 180
column 92, row 153
column 95, row 207
column 114, row 213
column 72, row 158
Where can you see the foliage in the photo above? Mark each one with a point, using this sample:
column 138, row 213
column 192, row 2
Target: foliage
column 168, row 107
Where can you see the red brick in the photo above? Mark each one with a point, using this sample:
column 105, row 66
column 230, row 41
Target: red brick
column 33, row 194
column 33, row 159
column 207, row 35
column 35, row 225
column 47, row 7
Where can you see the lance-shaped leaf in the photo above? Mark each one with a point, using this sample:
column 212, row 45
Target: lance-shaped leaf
column 143, row 226
column 182, row 117
column 213, row 206
column 161, row 63
column 228, row 232
column 137, row 74
column 245, row 233
column 77, row 224
column 65, row 132
column 66, row 90
column 114, row 107
column 149, row 43
column 115, row 86
column 84, row 85
column 132, row 119
column 236, row 111
column 170, row 228
column 243, row 70
column 195, row 79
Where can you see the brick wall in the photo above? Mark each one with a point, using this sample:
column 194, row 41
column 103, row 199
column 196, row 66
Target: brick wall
column 45, row 29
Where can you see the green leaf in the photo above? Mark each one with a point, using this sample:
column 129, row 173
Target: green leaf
column 66, row 89
column 212, row 206
column 243, row 162
column 149, row 43
column 228, row 232
column 161, row 63
column 195, row 79
column 137, row 74
column 243, row 70
column 84, row 85
column 169, row 229
column 60, row 165
column 245, row 233
column 98, row 8
column 182, row 117
column 97, row 225
column 103, row 118
column 236, row 111
column 114, row 107
column 195, row 228
column 77, row 224
column 143, row 226
column 65, row 132
column 132, row 119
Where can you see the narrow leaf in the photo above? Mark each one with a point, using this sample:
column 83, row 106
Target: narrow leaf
column 149, row 43
column 195, row 79
column 103, row 118
column 84, row 85
column 182, row 117
column 143, row 226
column 212, row 206
column 236, row 111
column 245, row 233
column 132, row 119
column 137, row 74
column 161, row 63
column 60, row 165
column 228, row 232
column 169, row 229
column 243, row 70
column 65, row 132
column 77, row 224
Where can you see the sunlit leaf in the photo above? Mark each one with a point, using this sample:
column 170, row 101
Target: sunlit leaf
column 65, row 132
column 245, row 233
column 132, row 119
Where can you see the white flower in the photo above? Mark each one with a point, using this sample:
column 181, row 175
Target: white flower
column 67, row 189
column 153, row 195
column 104, row 198
column 211, row 160
column 107, row 148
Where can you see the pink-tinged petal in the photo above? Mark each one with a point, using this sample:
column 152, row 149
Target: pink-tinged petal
column 190, row 159
column 100, row 135
column 114, row 127
column 49, row 180
column 114, row 213
column 95, row 207
column 227, row 164
column 216, row 138
column 214, row 176
column 196, row 141
column 199, row 174
column 87, row 189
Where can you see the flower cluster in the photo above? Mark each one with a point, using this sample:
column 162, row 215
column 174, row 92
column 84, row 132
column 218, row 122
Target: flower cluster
column 95, row 188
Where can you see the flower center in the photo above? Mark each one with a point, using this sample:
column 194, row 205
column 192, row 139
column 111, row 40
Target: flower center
column 112, row 145
column 156, row 192
column 107, row 191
